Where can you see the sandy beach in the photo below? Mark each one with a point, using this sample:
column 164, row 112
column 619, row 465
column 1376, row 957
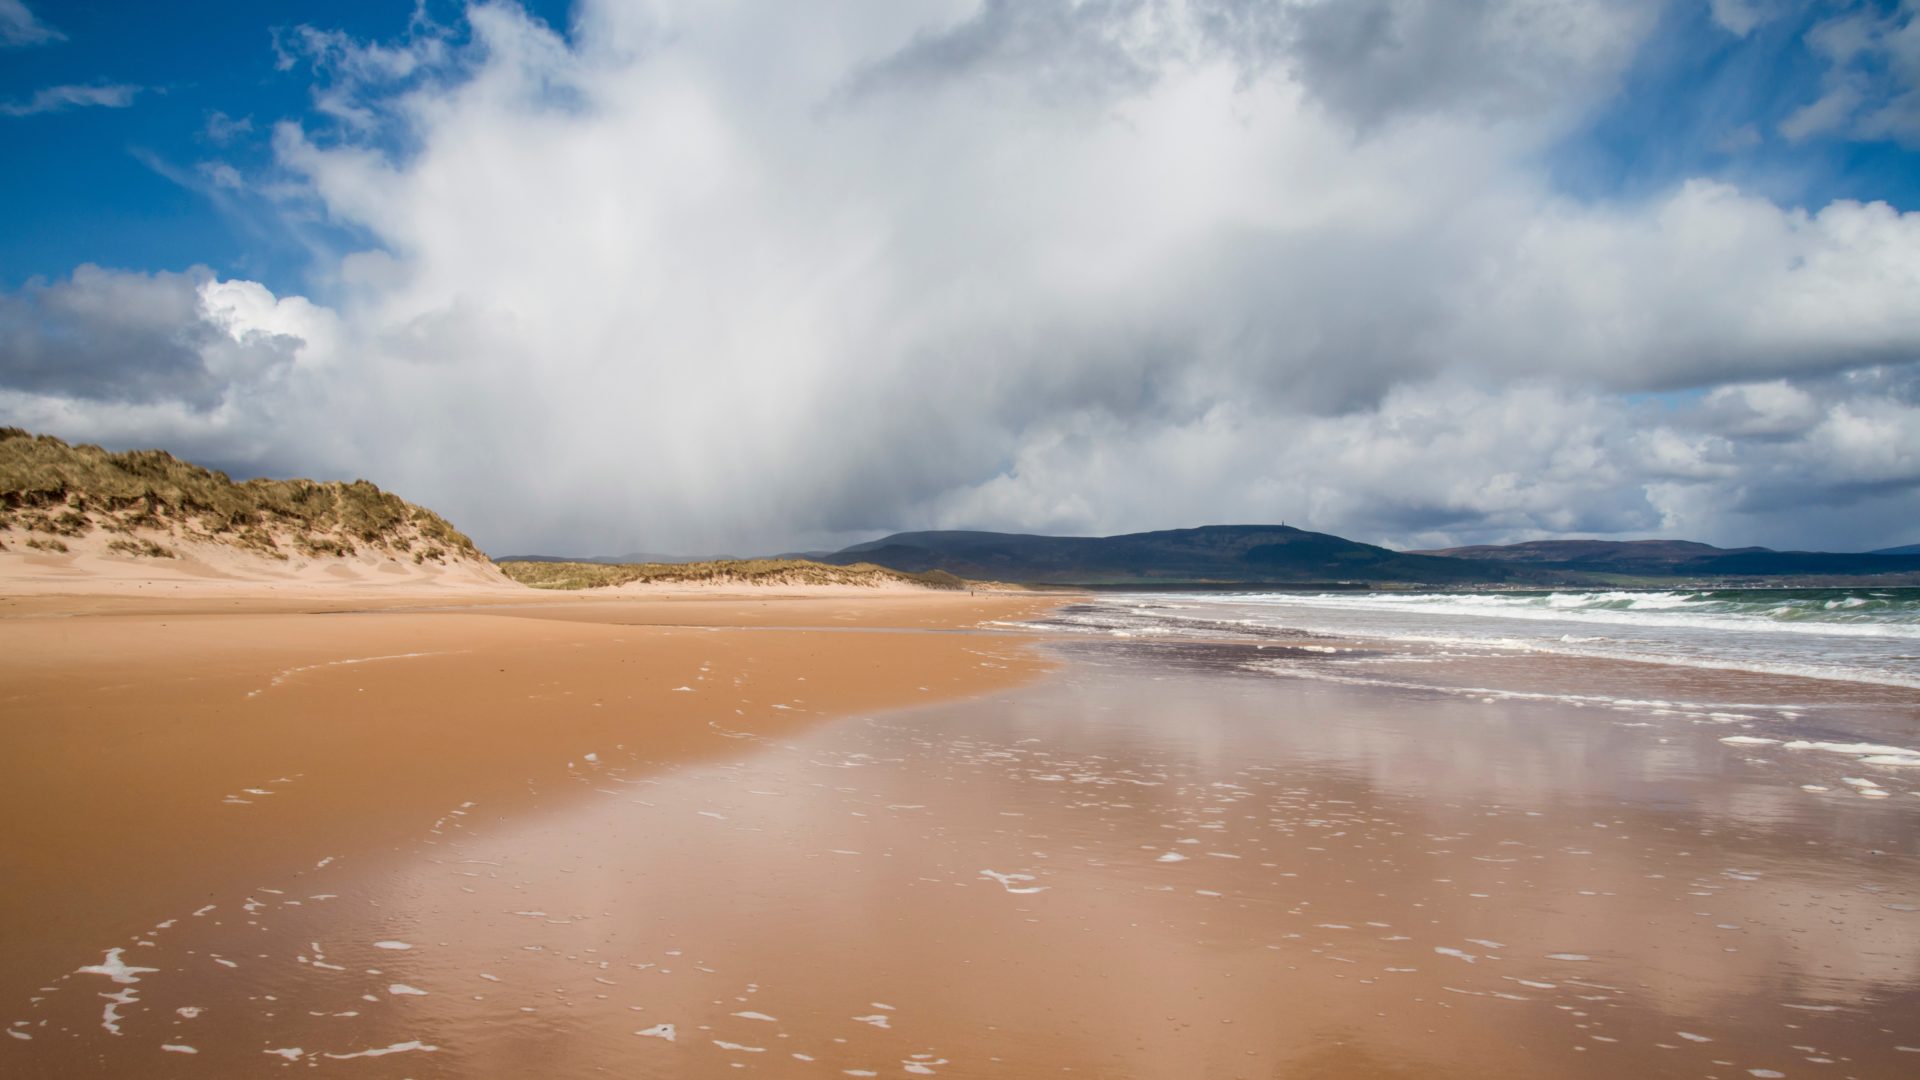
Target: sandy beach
column 1142, row 540
column 166, row 754
column 898, row 835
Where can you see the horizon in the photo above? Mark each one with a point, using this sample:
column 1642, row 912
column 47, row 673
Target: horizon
column 791, row 552
column 603, row 276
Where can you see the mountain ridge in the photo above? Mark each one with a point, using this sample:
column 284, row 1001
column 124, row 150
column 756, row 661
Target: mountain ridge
column 1683, row 558
column 1286, row 555
column 1253, row 554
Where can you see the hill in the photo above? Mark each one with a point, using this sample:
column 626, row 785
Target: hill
column 1904, row 549
column 1213, row 554
column 1652, row 557
column 84, row 502
column 558, row 574
column 1683, row 558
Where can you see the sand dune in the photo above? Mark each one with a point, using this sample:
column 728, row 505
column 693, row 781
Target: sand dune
column 200, row 567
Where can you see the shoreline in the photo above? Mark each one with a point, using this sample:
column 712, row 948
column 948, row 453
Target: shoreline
column 160, row 756
column 1132, row 867
column 877, row 835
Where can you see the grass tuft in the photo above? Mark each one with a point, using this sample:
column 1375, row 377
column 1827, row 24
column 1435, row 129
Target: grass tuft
column 141, row 549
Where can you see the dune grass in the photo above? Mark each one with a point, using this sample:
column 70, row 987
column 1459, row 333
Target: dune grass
column 582, row 575
column 51, row 487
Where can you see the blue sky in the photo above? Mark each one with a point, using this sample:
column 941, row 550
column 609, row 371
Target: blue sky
column 1702, row 100
column 121, row 186
column 1410, row 271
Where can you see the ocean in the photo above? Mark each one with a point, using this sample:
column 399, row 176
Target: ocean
column 1822, row 682
column 1863, row 635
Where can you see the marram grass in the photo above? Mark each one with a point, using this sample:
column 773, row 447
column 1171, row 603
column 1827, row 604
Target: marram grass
column 52, row 488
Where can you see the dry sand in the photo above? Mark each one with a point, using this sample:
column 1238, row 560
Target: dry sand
column 201, row 571
column 831, row 836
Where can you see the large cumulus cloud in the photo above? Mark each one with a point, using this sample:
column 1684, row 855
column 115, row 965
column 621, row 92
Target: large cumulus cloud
column 744, row 276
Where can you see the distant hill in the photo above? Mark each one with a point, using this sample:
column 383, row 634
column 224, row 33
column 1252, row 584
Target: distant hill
column 1656, row 557
column 1219, row 554
column 1252, row 555
column 1904, row 549
column 1685, row 558
column 57, row 499
column 1764, row 563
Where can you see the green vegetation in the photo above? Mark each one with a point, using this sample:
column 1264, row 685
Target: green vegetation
column 50, row 487
column 580, row 575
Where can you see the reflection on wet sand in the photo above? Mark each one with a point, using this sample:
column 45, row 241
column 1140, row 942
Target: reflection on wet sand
column 1135, row 867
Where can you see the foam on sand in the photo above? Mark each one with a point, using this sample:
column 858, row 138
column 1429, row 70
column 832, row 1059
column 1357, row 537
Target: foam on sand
column 383, row 1051
column 117, row 969
column 1007, row 882
column 658, row 1031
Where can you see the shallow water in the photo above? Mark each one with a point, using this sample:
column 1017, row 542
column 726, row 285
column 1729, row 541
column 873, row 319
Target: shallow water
column 1164, row 860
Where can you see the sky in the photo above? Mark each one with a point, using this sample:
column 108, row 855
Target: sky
column 608, row 276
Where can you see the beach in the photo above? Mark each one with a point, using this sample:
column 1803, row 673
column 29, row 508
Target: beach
column 928, row 834
column 165, row 755
column 1124, row 540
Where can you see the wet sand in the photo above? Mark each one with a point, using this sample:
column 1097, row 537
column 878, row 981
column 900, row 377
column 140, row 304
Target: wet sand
column 174, row 754
column 1153, row 862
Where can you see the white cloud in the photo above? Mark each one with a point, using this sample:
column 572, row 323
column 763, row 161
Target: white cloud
column 1740, row 17
column 62, row 98
column 1825, row 114
column 1871, row 89
column 744, row 277
column 1739, row 140
column 222, row 129
column 19, row 27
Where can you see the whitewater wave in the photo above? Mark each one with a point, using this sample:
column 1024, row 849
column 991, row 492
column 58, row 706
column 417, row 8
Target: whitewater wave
column 1850, row 635
column 1849, row 616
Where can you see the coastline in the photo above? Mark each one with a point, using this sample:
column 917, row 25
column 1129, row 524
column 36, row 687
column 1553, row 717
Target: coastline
column 166, row 752
column 1170, row 856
